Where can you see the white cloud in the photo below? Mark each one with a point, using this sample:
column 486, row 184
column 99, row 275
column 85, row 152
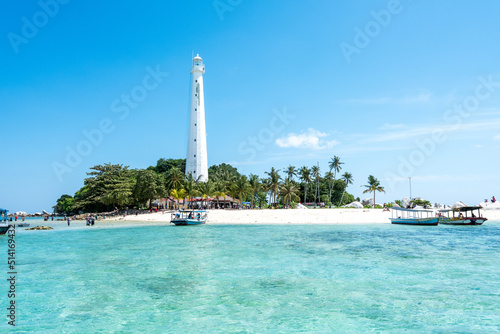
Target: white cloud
column 311, row 139
column 497, row 137
column 387, row 126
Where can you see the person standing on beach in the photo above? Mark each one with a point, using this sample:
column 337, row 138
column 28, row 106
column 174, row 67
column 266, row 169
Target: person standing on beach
column 23, row 218
column 69, row 220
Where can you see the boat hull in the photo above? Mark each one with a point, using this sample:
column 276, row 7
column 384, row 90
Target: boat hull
column 421, row 221
column 463, row 221
column 4, row 229
column 184, row 222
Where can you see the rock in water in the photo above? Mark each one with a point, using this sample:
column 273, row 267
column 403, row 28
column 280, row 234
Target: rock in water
column 36, row 228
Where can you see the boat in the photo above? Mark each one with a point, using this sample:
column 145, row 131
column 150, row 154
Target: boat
column 4, row 226
column 462, row 216
column 23, row 225
column 413, row 216
column 189, row 217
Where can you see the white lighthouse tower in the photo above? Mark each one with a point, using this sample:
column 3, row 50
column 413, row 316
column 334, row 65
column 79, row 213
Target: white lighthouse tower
column 196, row 162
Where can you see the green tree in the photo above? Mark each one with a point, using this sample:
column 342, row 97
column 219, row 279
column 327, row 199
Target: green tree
column 273, row 184
column 165, row 165
column 220, row 190
column 224, row 171
column 373, row 186
column 315, row 171
column 65, row 205
column 241, row 188
column 335, row 166
column 206, row 190
column 255, row 186
column 107, row 187
column 291, row 172
column 174, row 178
column 178, row 194
column 191, row 189
column 149, row 186
column 305, row 177
column 289, row 192
column 347, row 178
column 261, row 199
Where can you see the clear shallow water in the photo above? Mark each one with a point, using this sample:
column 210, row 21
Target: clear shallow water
column 255, row 279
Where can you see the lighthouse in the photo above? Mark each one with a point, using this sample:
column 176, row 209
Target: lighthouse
column 196, row 162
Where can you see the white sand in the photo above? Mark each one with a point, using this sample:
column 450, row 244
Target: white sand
column 290, row 216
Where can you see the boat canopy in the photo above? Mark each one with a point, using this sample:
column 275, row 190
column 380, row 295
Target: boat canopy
column 3, row 210
column 464, row 208
column 411, row 210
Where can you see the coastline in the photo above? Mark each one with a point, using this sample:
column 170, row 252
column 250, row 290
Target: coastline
column 286, row 216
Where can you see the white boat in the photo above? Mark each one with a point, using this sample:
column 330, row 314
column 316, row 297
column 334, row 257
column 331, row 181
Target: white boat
column 189, row 217
column 462, row 216
column 413, row 217
column 4, row 226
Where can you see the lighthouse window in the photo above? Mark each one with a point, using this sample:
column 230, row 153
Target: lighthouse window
column 196, row 81
column 195, row 109
column 195, row 155
column 195, row 140
column 194, row 124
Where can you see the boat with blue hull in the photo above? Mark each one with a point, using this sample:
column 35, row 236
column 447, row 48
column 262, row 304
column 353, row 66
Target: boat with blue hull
column 413, row 217
column 4, row 226
column 462, row 216
column 189, row 217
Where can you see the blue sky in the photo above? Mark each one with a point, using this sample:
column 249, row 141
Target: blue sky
column 396, row 89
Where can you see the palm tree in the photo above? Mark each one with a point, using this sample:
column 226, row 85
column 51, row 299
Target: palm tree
column 241, row 187
column 206, row 190
column 174, row 178
column 329, row 178
column 347, row 178
column 254, row 182
column 273, row 183
column 289, row 192
column 190, row 188
column 334, row 165
column 220, row 190
column 177, row 195
column 373, row 185
column 291, row 171
column 316, row 175
column 305, row 176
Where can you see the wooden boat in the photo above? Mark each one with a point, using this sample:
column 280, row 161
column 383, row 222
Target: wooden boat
column 413, row 217
column 462, row 216
column 189, row 217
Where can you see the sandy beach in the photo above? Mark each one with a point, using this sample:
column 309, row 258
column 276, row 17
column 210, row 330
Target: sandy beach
column 289, row 216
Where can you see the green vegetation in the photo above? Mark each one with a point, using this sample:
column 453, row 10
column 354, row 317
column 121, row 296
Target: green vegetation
column 373, row 186
column 421, row 202
column 64, row 204
column 116, row 187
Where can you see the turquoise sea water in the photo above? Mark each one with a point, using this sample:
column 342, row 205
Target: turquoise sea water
column 257, row 279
